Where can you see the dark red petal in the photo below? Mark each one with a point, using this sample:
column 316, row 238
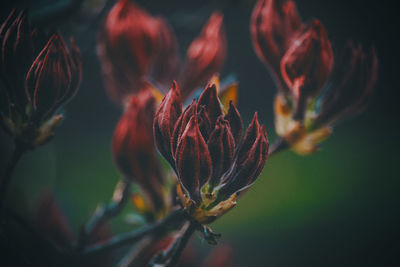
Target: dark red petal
column 193, row 160
column 205, row 56
column 263, row 154
column 274, row 24
column 165, row 119
column 247, row 171
column 209, row 99
column 221, row 146
column 128, row 44
column 7, row 23
column 181, row 123
column 133, row 147
column 249, row 138
column 49, row 77
column 235, row 122
column 307, row 64
column 204, row 122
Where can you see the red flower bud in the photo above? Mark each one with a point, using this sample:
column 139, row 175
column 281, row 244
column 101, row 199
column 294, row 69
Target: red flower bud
column 204, row 150
column 127, row 45
column 353, row 79
column 249, row 162
column 205, row 55
column 38, row 75
column 209, row 99
column 235, row 122
column 221, row 146
column 249, row 138
column 193, row 161
column 307, row 64
column 53, row 78
column 274, row 24
column 165, row 119
column 134, row 150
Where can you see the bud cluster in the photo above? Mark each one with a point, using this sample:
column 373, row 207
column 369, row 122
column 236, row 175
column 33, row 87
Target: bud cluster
column 136, row 49
column 38, row 74
column 205, row 147
column 314, row 93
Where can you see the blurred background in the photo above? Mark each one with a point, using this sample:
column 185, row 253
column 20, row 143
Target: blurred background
column 338, row 207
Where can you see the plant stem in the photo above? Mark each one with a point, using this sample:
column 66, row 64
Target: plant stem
column 279, row 145
column 160, row 227
column 181, row 245
column 19, row 150
column 170, row 256
column 103, row 213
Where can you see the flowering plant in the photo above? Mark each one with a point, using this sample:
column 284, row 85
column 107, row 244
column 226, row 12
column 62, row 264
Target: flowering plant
column 189, row 162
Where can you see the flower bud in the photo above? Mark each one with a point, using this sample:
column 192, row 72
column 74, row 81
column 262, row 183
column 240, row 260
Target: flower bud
column 307, row 64
column 250, row 160
column 181, row 123
column 39, row 75
column 126, row 46
column 221, row 146
column 274, row 24
column 235, row 122
column 165, row 118
column 193, row 161
column 203, row 146
column 352, row 81
column 209, row 99
column 134, row 150
column 205, row 56
column 53, row 78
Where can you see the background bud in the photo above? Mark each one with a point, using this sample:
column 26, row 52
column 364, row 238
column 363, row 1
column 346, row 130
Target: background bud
column 133, row 148
column 53, row 78
column 352, row 81
column 193, row 161
column 307, row 64
column 205, row 56
column 38, row 75
column 127, row 45
column 273, row 26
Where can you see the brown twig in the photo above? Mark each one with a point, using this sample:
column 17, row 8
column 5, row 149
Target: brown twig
column 171, row 256
column 103, row 213
column 173, row 219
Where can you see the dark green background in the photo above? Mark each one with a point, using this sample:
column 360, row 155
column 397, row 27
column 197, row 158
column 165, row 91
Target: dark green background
column 338, row 207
